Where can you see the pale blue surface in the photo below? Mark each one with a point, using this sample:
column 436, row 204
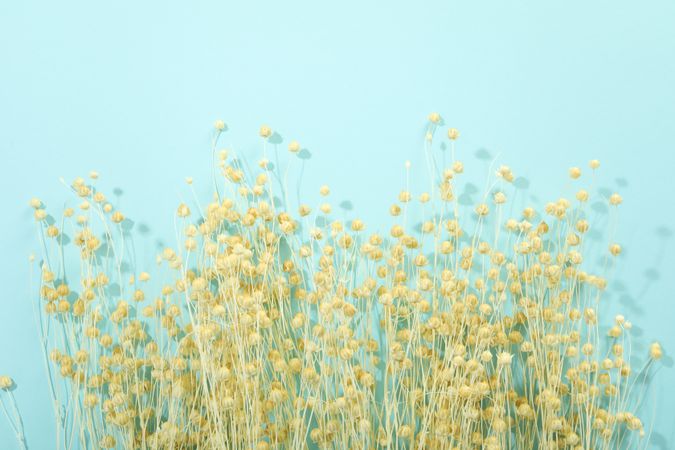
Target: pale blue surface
column 132, row 90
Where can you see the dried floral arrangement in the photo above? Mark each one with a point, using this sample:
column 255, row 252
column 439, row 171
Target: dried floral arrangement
column 275, row 328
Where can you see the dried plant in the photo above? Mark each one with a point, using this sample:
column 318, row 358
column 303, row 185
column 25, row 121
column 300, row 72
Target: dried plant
column 283, row 329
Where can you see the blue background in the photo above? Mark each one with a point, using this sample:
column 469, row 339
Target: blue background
column 131, row 89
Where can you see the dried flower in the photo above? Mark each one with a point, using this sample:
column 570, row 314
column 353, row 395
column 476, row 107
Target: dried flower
column 6, row 382
column 294, row 147
column 504, row 359
column 615, row 199
column 655, row 351
column 435, row 118
column 265, row 131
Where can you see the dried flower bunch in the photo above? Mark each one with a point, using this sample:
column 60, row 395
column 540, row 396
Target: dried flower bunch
column 288, row 329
